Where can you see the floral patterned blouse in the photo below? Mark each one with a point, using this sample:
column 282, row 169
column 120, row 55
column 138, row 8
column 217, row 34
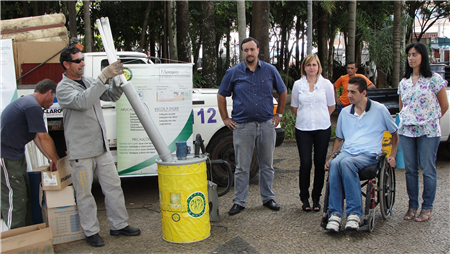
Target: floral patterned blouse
column 421, row 110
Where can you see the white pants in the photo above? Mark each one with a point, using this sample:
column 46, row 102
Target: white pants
column 83, row 175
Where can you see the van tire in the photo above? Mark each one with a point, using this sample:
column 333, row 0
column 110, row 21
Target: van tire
column 221, row 148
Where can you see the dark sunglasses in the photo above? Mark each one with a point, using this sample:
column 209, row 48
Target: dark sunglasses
column 78, row 60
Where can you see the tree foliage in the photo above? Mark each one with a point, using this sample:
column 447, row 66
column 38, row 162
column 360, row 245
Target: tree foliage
column 287, row 28
column 428, row 12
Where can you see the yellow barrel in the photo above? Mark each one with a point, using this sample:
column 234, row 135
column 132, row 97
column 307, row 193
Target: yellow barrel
column 183, row 195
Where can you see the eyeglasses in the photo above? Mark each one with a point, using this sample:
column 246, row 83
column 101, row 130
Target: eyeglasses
column 77, row 61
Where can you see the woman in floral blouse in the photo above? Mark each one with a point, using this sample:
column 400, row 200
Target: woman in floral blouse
column 423, row 101
column 312, row 103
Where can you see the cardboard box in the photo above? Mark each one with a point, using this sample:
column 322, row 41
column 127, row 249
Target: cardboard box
column 56, row 180
column 60, row 213
column 31, row 239
column 37, row 52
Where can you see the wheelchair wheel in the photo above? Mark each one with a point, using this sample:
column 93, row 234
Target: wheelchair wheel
column 386, row 190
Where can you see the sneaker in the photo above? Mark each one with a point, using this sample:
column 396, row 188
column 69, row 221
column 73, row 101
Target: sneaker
column 352, row 222
column 334, row 223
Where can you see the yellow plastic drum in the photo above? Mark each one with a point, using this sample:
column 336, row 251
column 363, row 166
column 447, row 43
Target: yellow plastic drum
column 183, row 195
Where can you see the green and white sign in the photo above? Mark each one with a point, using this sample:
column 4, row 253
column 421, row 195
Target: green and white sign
column 8, row 85
column 166, row 92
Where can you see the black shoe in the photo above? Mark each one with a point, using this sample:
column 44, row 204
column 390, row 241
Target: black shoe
column 272, row 205
column 235, row 209
column 95, row 240
column 306, row 206
column 128, row 231
column 316, row 205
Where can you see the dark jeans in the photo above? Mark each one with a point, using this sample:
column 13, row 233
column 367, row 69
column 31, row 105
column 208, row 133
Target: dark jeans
column 305, row 142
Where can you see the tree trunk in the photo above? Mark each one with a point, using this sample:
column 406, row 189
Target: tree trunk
column 72, row 19
column 413, row 6
column 142, row 44
column 47, row 7
column 322, row 27
column 87, row 27
column 332, row 35
column 286, row 55
column 152, row 40
column 330, row 62
column 260, row 27
column 36, row 8
column 303, row 42
column 350, row 57
column 209, row 63
column 25, row 9
column 183, row 39
column 171, row 30
column 358, row 50
column 242, row 24
column 165, row 51
column 282, row 48
column 397, row 41
column 309, row 28
column 227, row 45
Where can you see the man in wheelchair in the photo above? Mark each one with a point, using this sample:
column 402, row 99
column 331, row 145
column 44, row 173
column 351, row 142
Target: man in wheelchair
column 359, row 132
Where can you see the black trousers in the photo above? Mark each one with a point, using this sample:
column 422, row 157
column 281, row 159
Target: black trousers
column 306, row 140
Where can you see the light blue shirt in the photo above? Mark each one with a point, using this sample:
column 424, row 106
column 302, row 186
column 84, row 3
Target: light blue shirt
column 364, row 135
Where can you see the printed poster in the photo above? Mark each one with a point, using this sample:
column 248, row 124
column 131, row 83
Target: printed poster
column 166, row 93
column 8, row 85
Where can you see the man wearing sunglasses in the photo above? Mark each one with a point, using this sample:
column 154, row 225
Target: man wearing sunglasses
column 88, row 150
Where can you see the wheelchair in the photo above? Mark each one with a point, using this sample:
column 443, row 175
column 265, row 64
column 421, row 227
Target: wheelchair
column 379, row 180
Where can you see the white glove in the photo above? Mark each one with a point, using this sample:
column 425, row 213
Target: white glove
column 111, row 71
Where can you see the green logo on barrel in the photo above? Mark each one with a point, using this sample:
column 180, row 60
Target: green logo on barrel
column 176, row 217
column 196, row 204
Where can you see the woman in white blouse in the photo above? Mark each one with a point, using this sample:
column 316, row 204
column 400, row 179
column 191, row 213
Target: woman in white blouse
column 312, row 102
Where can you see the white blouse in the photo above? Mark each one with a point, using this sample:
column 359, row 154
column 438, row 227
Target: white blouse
column 312, row 107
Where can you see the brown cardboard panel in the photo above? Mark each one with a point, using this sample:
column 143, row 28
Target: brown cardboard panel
column 26, row 239
column 40, row 248
column 60, row 213
column 58, row 198
column 60, row 179
column 38, row 52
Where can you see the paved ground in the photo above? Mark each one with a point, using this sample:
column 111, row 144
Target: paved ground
column 260, row 230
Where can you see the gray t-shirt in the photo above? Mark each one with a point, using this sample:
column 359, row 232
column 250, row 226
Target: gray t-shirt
column 21, row 120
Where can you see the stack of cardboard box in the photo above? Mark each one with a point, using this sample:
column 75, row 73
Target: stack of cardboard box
column 57, row 200
column 59, row 212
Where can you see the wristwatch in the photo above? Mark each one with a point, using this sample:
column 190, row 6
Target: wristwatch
column 280, row 115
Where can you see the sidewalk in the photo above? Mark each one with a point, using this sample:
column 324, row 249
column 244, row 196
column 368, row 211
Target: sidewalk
column 290, row 230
